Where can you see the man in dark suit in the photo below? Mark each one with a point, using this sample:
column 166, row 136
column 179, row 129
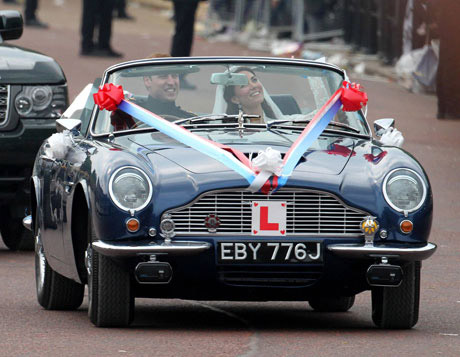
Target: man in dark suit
column 163, row 91
column 182, row 41
column 30, row 18
column 97, row 13
column 120, row 10
column 184, row 17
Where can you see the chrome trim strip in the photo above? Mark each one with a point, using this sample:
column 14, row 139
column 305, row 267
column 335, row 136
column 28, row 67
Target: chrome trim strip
column 236, row 218
column 239, row 234
column 220, row 59
column 27, row 222
column 357, row 251
column 122, row 249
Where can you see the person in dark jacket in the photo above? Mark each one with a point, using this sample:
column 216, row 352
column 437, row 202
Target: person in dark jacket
column 184, row 18
column 30, row 18
column 182, row 41
column 163, row 91
column 448, row 78
column 97, row 14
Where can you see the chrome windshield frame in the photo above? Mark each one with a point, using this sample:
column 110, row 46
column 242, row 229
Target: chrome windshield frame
column 211, row 60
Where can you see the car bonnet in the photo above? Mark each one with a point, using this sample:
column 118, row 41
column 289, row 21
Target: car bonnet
column 330, row 160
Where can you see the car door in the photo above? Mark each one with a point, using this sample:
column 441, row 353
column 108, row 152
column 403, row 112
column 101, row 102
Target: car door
column 75, row 159
column 52, row 207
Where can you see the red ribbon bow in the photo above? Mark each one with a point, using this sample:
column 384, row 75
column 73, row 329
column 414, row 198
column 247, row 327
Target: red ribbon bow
column 353, row 99
column 109, row 97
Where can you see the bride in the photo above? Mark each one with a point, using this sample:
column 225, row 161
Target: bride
column 251, row 99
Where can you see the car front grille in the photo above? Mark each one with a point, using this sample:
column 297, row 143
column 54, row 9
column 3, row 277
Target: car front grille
column 309, row 213
column 4, row 100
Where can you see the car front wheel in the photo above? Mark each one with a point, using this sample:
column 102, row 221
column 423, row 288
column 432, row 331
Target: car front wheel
column 397, row 308
column 110, row 300
column 54, row 291
column 332, row 304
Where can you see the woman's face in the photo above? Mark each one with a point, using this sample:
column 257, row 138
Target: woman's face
column 250, row 95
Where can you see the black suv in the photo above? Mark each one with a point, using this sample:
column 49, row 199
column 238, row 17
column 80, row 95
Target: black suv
column 33, row 93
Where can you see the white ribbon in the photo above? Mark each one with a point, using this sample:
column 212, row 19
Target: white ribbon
column 59, row 145
column 392, row 137
column 268, row 163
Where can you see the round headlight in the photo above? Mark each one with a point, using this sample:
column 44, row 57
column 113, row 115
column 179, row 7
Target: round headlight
column 130, row 188
column 404, row 190
column 41, row 96
column 23, row 105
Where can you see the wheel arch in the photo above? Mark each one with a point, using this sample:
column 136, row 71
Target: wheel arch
column 79, row 228
column 35, row 199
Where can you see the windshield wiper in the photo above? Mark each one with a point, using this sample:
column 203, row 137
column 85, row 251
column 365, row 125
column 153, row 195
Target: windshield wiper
column 207, row 117
column 277, row 123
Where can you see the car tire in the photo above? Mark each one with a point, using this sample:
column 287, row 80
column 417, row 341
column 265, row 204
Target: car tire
column 332, row 304
column 14, row 234
column 110, row 299
column 54, row 291
column 398, row 308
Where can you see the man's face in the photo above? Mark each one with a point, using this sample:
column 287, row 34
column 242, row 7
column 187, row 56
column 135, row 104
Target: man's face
column 163, row 87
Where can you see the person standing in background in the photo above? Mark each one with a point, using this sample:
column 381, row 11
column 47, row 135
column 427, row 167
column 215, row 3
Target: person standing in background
column 97, row 14
column 448, row 78
column 184, row 18
column 120, row 10
column 30, row 18
column 182, row 41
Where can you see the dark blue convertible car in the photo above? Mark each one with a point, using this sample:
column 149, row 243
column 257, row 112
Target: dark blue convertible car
column 261, row 183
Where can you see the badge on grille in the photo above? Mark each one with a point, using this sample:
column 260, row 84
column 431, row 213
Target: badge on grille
column 212, row 222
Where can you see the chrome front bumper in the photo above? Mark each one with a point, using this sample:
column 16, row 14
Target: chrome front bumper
column 366, row 251
column 115, row 249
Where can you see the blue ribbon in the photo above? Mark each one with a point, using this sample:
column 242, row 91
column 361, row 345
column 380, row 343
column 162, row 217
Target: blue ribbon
column 186, row 137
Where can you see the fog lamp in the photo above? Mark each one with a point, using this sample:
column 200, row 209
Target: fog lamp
column 132, row 225
column 167, row 227
column 406, row 226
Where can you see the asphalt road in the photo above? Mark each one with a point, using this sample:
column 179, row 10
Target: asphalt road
column 190, row 328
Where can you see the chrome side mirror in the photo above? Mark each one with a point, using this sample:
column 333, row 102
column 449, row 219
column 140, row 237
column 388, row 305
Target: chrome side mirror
column 381, row 125
column 68, row 124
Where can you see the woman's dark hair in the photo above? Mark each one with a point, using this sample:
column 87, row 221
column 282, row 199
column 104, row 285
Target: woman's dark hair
column 229, row 92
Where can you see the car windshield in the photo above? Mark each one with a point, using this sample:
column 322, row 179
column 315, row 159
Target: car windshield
column 272, row 101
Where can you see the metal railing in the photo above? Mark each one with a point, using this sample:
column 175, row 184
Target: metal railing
column 370, row 26
column 300, row 19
